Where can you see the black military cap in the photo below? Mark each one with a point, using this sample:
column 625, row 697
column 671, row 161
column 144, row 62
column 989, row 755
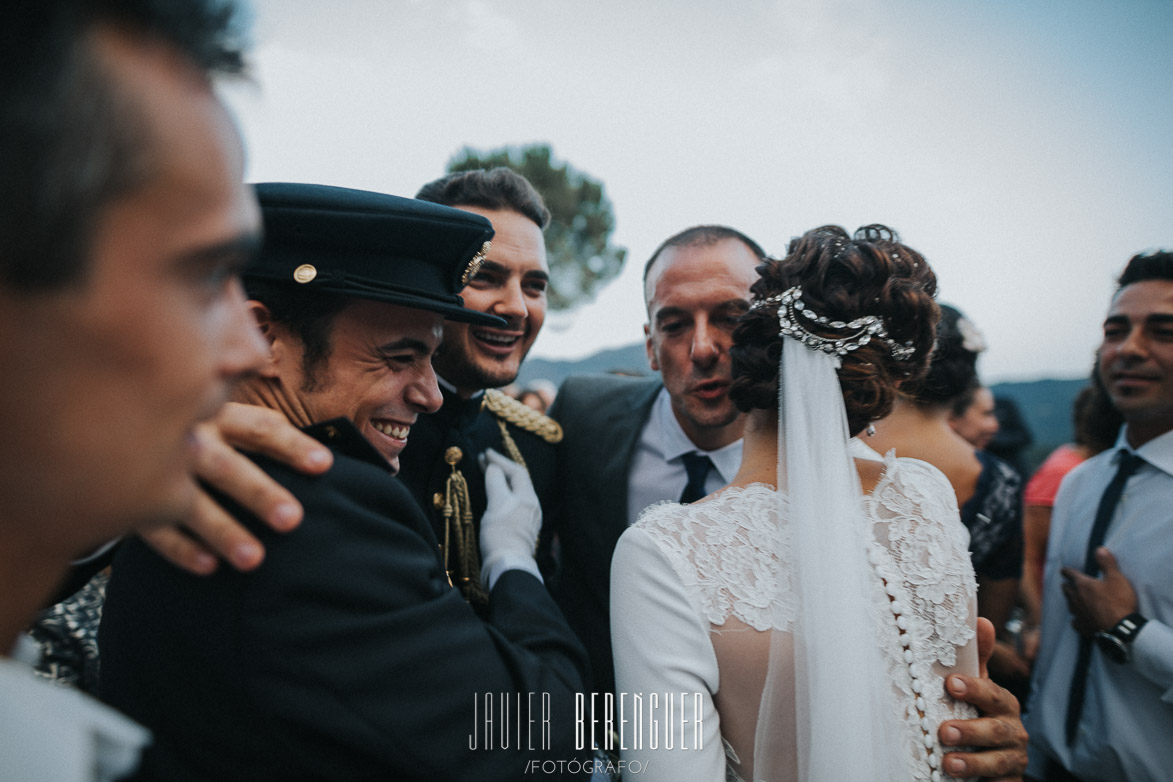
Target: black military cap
column 372, row 246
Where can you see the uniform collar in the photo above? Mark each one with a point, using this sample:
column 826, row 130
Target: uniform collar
column 341, row 435
column 456, row 408
column 451, row 389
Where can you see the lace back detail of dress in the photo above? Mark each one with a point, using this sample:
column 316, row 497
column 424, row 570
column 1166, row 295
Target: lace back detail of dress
column 926, row 600
column 723, row 552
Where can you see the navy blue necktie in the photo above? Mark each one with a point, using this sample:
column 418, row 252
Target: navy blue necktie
column 1128, row 464
column 697, row 465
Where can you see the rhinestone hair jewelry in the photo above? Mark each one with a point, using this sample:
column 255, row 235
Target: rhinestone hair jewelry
column 793, row 314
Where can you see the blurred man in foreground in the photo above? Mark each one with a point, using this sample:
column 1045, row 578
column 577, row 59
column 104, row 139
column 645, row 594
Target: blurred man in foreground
column 124, row 226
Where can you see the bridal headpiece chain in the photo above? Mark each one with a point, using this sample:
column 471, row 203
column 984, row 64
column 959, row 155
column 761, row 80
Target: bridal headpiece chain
column 793, row 315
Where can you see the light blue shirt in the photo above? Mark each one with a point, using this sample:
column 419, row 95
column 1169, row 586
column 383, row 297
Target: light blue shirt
column 1126, row 730
column 51, row 731
column 657, row 468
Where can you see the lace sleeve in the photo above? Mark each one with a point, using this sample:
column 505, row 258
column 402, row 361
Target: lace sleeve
column 725, row 553
column 920, row 551
column 673, row 667
column 914, row 509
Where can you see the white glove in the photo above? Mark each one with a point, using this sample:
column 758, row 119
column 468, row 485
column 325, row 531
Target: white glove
column 512, row 519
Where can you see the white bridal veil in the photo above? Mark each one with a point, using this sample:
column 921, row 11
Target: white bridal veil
column 845, row 714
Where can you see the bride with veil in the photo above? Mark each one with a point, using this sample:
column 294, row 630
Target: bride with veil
column 801, row 621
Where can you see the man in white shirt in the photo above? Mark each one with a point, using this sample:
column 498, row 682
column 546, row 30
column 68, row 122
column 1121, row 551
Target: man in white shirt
column 1102, row 700
column 123, row 226
column 626, row 439
column 631, row 442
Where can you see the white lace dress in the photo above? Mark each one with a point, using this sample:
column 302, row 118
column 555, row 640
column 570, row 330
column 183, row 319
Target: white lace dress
column 691, row 589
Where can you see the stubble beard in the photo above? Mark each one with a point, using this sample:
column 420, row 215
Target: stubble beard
column 711, row 418
column 454, row 363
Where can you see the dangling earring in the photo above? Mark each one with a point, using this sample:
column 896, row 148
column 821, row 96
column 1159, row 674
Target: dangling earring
column 871, row 430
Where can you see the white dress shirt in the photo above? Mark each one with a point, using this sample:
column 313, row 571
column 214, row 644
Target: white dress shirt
column 53, row 732
column 657, row 468
column 1126, row 730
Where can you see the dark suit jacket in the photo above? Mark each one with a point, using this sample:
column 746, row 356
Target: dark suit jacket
column 602, row 416
column 345, row 656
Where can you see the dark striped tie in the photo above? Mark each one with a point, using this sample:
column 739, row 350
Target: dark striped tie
column 1127, row 465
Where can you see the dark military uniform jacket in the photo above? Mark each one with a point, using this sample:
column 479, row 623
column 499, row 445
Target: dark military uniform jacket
column 346, row 656
column 454, row 437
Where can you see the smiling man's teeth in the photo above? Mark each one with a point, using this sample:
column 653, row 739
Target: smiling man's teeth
column 500, row 339
column 398, row 432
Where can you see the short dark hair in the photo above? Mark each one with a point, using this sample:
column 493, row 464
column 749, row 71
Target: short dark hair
column 963, row 402
column 1156, row 265
column 495, row 188
column 310, row 315
column 703, row 236
column 952, row 369
column 843, row 277
column 71, row 141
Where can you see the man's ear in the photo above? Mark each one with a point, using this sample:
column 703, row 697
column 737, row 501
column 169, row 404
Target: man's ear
column 274, row 333
column 651, row 348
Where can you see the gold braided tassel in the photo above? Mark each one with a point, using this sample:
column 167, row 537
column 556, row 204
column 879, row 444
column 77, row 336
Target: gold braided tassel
column 459, row 530
column 515, row 454
column 511, row 448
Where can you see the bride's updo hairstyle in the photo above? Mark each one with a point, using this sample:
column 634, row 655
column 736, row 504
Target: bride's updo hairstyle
column 842, row 278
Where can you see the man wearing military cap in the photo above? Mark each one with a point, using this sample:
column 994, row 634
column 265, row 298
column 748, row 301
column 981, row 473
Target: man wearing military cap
column 348, row 654
column 475, row 360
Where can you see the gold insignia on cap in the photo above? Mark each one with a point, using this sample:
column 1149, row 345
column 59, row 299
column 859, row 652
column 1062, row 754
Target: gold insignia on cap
column 474, row 265
column 305, row 273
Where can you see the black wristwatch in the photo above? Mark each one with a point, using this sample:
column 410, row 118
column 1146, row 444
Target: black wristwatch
column 1116, row 644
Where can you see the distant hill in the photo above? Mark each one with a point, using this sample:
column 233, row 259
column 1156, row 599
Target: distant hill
column 1045, row 405
column 629, row 359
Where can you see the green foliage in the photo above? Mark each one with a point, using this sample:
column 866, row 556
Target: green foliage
column 581, row 221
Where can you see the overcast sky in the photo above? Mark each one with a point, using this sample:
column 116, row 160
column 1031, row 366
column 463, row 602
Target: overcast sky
column 1022, row 146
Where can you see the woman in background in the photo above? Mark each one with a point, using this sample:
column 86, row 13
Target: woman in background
column 974, row 416
column 988, row 490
